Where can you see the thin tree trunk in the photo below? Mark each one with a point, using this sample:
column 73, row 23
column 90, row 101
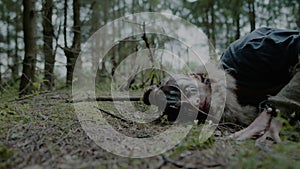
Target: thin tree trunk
column 73, row 52
column 213, row 24
column 15, row 58
column 48, row 45
column 238, row 32
column 77, row 27
column 15, row 66
column 251, row 8
column 67, row 50
column 65, row 22
column 102, row 73
column 114, row 58
column 236, row 18
column 1, row 40
column 212, row 53
column 76, row 46
column 210, row 29
column 0, row 77
column 29, row 62
column 95, row 26
column 298, row 16
column 228, row 41
column 206, row 22
column 8, row 50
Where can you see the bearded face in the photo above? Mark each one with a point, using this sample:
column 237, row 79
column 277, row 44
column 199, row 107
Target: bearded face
column 185, row 95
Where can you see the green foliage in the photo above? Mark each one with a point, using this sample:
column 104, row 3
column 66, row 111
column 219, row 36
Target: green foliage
column 283, row 155
column 9, row 91
column 11, row 114
column 191, row 142
column 5, row 154
column 290, row 128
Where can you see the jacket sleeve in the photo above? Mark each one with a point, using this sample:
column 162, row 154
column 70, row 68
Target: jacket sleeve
column 263, row 58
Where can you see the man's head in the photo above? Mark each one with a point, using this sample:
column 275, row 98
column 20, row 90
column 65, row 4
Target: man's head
column 186, row 93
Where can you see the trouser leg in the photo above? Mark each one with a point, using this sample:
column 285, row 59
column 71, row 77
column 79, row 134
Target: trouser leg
column 288, row 99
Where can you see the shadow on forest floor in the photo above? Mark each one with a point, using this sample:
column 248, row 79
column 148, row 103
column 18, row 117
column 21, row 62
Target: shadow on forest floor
column 43, row 131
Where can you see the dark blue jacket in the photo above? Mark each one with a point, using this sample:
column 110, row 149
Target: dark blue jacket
column 263, row 58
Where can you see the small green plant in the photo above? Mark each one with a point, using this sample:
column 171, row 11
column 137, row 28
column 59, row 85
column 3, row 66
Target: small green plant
column 290, row 128
column 191, row 142
column 5, row 154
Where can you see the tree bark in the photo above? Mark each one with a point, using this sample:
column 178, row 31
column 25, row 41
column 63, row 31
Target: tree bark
column 236, row 17
column 65, row 22
column 77, row 25
column 73, row 52
column 29, row 62
column 210, row 28
column 213, row 23
column 48, row 45
column 95, row 26
column 8, row 50
column 16, row 56
column 15, row 66
column 251, row 8
column 238, row 32
column 0, row 77
column 102, row 68
column 298, row 16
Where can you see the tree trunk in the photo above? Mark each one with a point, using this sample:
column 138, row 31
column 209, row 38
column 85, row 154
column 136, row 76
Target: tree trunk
column 29, row 62
column 213, row 23
column 8, row 50
column 238, row 32
column 77, row 25
column 95, row 26
column 102, row 68
column 236, row 17
column 228, row 39
column 70, row 65
column 210, row 28
column 15, row 66
column 65, row 22
column 48, row 45
column 206, row 22
column 298, row 16
column 251, row 8
column 114, row 58
column 1, row 40
column 73, row 52
column 0, row 77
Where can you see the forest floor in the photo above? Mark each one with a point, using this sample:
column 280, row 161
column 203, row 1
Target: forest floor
column 43, row 131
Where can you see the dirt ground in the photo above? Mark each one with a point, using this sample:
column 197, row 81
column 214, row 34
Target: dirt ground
column 43, row 132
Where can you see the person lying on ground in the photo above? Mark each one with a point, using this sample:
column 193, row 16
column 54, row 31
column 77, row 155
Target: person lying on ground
column 262, row 80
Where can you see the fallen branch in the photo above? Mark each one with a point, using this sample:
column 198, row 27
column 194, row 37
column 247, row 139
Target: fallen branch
column 111, row 114
column 106, row 98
